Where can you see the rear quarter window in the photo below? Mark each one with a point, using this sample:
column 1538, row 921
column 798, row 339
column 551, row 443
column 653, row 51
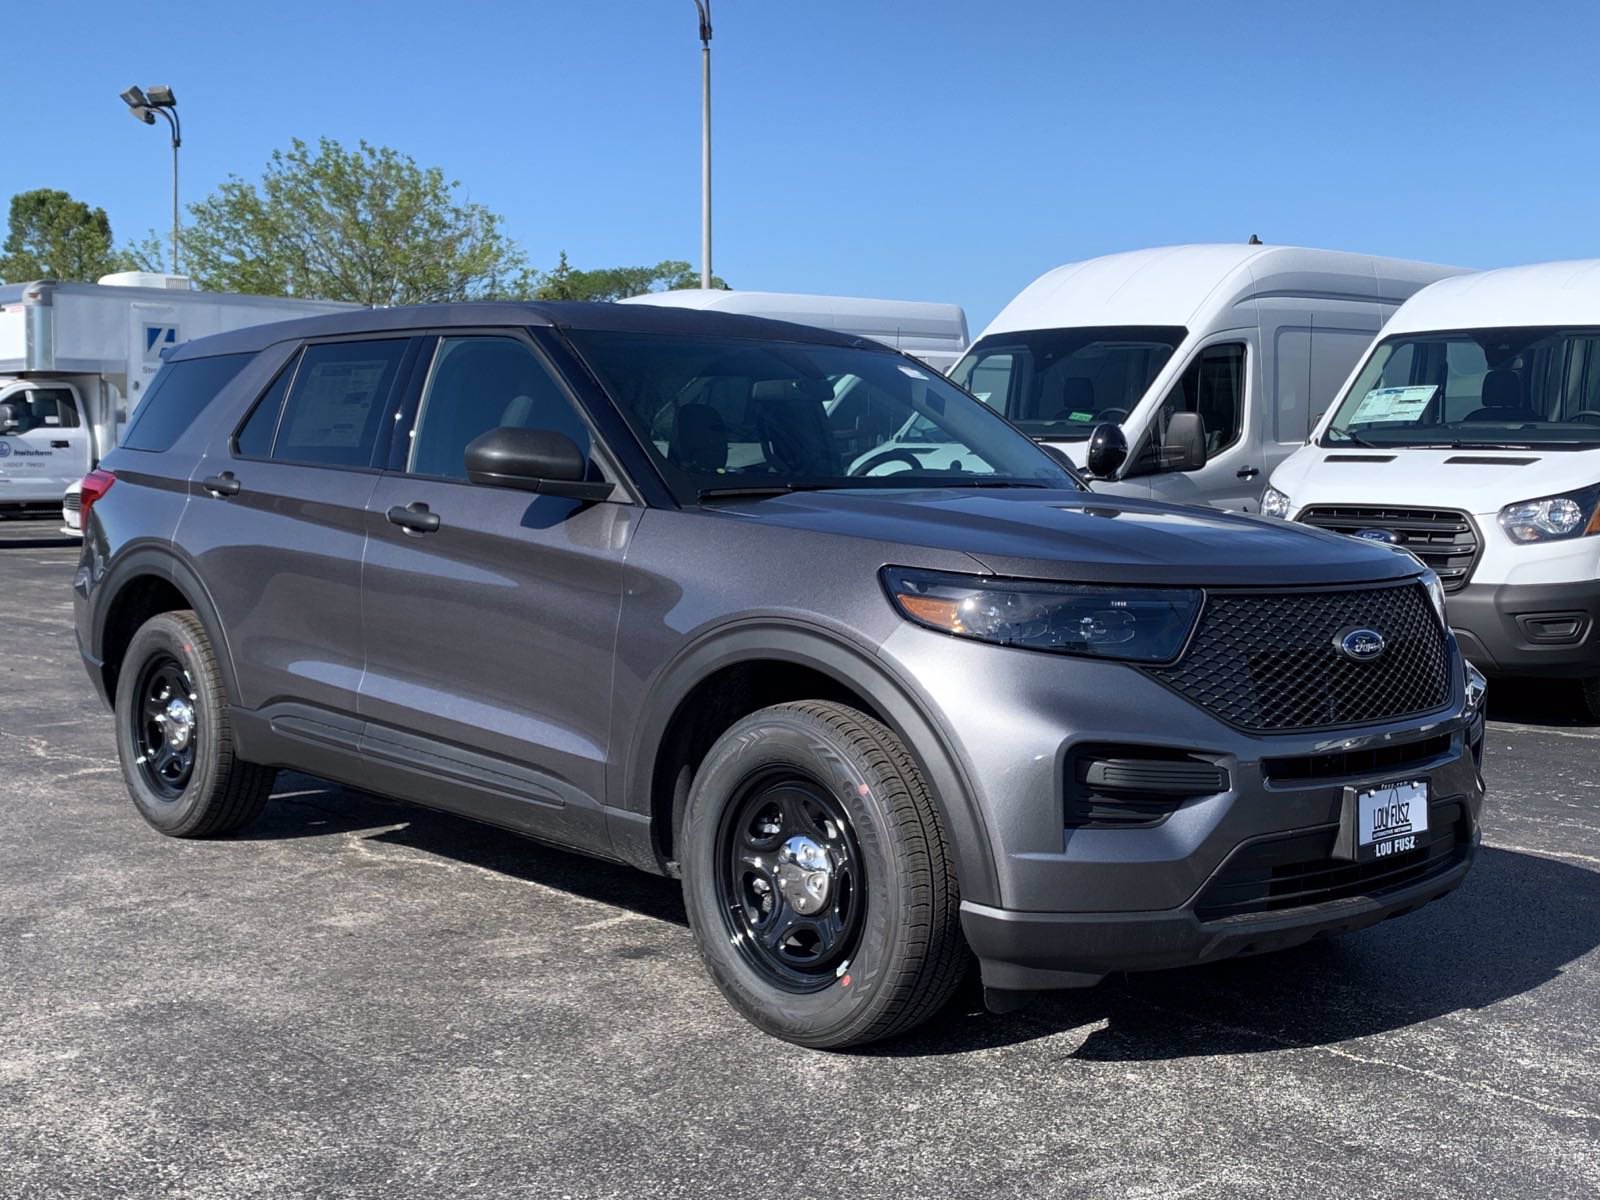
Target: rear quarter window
column 177, row 395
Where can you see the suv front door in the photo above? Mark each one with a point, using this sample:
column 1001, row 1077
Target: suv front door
column 490, row 637
column 43, row 441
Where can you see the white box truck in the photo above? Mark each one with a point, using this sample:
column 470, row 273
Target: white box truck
column 75, row 359
column 932, row 332
column 1248, row 342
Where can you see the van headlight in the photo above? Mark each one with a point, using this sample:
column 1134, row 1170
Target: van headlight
column 1553, row 518
column 1131, row 624
column 1435, row 586
column 1274, row 503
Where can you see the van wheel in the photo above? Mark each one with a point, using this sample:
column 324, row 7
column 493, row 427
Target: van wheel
column 1589, row 697
column 174, row 736
column 818, row 879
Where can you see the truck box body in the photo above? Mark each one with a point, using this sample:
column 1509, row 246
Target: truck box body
column 76, row 359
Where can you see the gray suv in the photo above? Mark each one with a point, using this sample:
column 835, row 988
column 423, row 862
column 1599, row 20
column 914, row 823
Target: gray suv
column 786, row 615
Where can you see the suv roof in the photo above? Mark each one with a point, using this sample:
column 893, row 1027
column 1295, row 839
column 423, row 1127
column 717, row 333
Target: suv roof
column 629, row 318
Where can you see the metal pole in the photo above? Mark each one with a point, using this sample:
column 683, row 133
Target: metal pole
column 704, row 9
column 174, row 204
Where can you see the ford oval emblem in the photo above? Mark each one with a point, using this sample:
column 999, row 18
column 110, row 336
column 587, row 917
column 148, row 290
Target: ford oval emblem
column 1363, row 645
column 1387, row 536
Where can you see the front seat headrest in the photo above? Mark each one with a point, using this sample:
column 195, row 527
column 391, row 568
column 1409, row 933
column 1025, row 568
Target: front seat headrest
column 1502, row 389
column 1077, row 395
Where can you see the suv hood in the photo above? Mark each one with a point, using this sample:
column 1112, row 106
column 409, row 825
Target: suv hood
column 1084, row 537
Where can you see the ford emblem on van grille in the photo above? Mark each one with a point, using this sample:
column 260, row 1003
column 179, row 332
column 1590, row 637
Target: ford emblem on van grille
column 1363, row 645
column 1387, row 536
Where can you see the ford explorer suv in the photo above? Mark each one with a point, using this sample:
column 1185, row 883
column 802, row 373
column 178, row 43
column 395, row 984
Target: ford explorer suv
column 652, row 584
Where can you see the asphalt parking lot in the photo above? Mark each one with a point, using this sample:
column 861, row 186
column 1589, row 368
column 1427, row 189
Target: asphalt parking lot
column 362, row 998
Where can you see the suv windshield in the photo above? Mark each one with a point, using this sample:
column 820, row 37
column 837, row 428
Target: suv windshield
column 1058, row 384
column 1476, row 387
column 730, row 414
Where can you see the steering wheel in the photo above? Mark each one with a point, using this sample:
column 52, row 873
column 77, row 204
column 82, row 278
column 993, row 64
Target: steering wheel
column 1591, row 415
column 884, row 457
column 1117, row 415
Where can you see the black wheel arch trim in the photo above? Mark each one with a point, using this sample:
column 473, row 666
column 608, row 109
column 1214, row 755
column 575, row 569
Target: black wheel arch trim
column 854, row 667
column 164, row 564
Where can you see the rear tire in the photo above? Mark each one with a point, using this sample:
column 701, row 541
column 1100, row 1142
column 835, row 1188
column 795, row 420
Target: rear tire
column 174, row 736
column 818, row 878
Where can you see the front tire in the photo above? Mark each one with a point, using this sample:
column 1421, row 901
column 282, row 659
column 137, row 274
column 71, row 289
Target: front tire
column 818, row 879
column 174, row 737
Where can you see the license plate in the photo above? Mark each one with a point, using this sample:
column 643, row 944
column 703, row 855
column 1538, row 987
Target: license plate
column 1389, row 819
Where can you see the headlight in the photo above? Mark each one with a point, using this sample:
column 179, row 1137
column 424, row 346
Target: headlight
column 1274, row 503
column 1131, row 624
column 1553, row 518
column 1435, row 587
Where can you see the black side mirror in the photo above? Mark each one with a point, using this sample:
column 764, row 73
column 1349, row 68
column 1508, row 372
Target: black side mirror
column 1108, row 450
column 8, row 416
column 534, row 460
column 1184, row 448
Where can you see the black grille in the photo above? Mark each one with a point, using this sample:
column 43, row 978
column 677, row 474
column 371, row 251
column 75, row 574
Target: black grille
column 1444, row 539
column 1294, row 871
column 1272, row 663
column 1345, row 763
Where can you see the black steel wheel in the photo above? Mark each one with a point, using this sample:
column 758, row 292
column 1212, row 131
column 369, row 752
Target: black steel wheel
column 175, row 733
column 166, row 726
column 791, row 880
column 818, row 878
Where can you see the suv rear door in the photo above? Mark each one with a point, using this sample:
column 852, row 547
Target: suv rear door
column 490, row 637
column 276, row 524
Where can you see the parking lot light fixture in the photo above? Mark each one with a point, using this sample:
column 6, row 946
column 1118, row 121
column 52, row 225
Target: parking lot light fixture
column 144, row 105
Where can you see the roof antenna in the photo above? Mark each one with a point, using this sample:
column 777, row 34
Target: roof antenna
column 1255, row 240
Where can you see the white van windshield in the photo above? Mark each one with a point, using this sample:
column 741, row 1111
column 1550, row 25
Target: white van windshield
column 1477, row 387
column 1058, row 384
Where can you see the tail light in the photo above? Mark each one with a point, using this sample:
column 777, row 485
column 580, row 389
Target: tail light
column 95, row 484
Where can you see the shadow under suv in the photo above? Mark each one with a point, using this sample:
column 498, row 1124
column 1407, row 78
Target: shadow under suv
column 679, row 589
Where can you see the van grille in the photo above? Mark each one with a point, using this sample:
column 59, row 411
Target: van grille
column 1271, row 662
column 1443, row 538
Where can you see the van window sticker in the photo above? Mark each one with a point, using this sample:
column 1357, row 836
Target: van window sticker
column 1394, row 403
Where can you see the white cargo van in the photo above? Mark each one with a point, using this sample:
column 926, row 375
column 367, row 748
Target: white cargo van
column 934, row 333
column 75, row 359
column 1251, row 341
column 1470, row 435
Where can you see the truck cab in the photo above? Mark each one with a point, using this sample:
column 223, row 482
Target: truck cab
column 44, row 443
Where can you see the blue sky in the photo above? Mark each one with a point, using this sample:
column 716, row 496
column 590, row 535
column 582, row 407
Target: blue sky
column 930, row 150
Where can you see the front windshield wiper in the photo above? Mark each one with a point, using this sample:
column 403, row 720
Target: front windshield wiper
column 1352, row 437
column 755, row 491
column 758, row 491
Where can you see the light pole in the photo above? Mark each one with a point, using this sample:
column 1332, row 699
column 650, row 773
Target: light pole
column 145, row 106
column 703, row 7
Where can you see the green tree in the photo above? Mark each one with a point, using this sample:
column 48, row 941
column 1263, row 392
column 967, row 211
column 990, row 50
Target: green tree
column 367, row 225
column 52, row 236
column 565, row 282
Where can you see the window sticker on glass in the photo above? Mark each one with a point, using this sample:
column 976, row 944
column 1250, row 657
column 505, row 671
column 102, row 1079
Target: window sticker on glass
column 1394, row 403
column 1080, row 416
column 913, row 372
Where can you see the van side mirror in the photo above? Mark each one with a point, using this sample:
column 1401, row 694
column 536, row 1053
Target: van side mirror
column 1184, row 448
column 533, row 460
column 1108, row 450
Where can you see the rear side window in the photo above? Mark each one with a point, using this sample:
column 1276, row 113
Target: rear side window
column 177, row 395
column 334, row 407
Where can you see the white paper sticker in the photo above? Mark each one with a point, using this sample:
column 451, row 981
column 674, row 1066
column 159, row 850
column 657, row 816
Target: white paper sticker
column 911, row 371
column 1394, row 403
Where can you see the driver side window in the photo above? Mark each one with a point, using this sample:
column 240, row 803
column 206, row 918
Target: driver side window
column 1213, row 386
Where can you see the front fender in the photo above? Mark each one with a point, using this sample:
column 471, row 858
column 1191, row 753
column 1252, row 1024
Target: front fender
column 853, row 667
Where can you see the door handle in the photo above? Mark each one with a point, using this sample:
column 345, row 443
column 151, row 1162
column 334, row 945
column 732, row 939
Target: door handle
column 221, row 485
column 1247, row 472
column 60, row 445
column 414, row 518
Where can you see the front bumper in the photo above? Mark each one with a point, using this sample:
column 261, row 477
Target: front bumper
column 1081, row 895
column 1031, row 951
column 1550, row 629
